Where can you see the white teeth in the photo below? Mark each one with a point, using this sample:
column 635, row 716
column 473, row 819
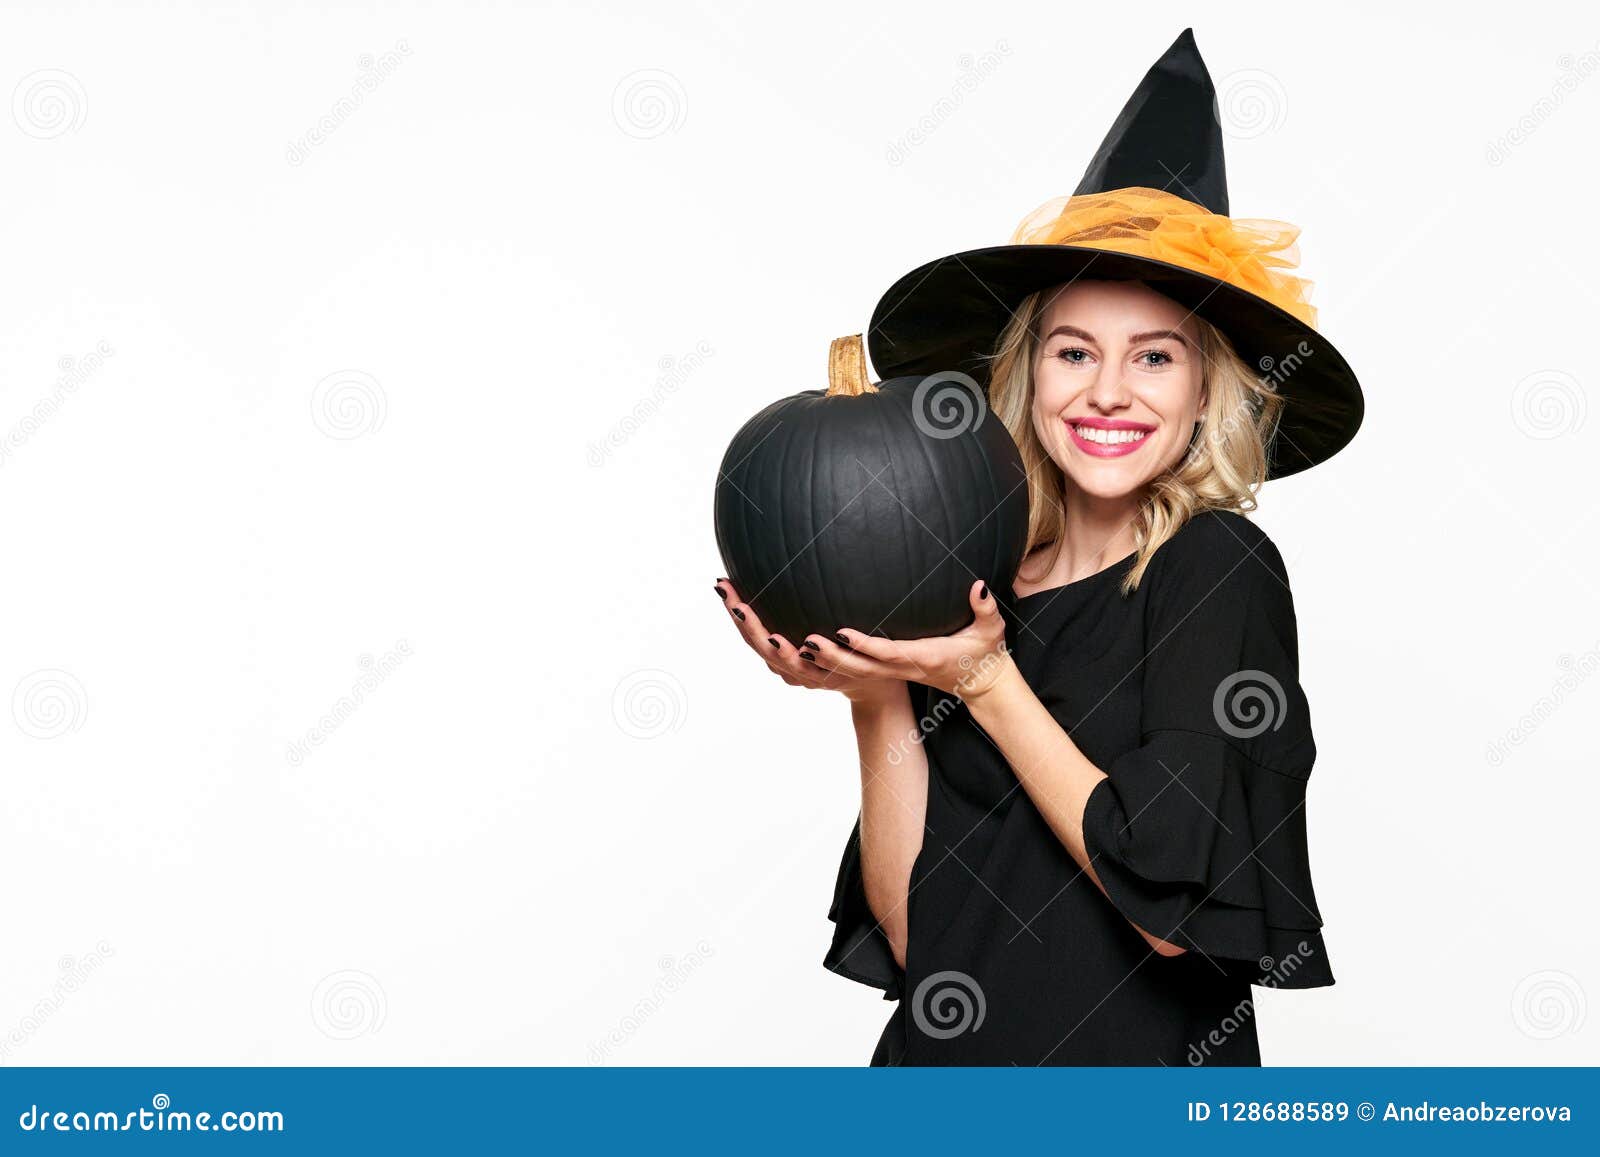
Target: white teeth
column 1108, row 437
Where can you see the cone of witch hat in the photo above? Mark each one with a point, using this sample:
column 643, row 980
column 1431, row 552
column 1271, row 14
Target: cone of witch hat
column 1152, row 206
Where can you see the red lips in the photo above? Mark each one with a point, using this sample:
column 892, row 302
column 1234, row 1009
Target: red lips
column 1116, row 449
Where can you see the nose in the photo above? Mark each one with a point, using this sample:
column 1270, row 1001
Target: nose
column 1109, row 390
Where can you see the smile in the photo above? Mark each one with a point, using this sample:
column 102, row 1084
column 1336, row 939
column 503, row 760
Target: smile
column 1107, row 437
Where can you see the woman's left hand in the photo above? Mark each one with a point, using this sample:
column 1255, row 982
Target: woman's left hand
column 966, row 663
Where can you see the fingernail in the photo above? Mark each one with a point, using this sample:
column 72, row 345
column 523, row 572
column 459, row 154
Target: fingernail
column 843, row 642
column 738, row 614
column 722, row 594
column 984, row 593
column 808, row 656
column 813, row 644
column 774, row 643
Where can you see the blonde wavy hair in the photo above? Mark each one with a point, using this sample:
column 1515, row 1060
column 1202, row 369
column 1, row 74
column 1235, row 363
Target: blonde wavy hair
column 1225, row 464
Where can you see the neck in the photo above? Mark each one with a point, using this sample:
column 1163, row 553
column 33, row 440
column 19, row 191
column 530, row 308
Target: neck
column 1096, row 532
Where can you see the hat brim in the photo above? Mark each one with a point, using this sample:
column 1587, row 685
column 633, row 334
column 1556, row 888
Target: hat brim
column 948, row 314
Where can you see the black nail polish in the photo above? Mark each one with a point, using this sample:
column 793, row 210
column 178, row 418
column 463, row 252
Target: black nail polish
column 843, row 642
column 722, row 594
column 984, row 593
column 813, row 644
column 738, row 614
column 808, row 656
column 774, row 643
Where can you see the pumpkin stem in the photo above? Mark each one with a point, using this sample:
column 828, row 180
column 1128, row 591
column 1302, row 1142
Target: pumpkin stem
column 847, row 368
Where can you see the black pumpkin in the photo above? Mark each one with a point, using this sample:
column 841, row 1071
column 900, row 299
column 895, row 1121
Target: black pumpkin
column 874, row 508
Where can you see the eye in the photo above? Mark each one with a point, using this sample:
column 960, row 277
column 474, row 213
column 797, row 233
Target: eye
column 1153, row 358
column 1070, row 355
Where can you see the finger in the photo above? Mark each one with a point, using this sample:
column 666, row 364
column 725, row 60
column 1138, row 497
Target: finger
column 985, row 609
column 745, row 616
column 898, row 658
column 784, row 675
column 786, row 656
column 839, row 659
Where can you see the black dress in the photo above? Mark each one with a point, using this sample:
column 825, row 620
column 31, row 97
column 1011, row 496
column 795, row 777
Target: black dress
column 1186, row 694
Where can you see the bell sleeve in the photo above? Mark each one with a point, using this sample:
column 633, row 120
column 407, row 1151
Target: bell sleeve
column 1199, row 833
column 860, row 948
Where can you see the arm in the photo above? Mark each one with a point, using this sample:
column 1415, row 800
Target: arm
column 894, row 784
column 1057, row 776
column 974, row 664
column 894, row 804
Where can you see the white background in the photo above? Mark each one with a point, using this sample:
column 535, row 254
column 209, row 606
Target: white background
column 455, row 376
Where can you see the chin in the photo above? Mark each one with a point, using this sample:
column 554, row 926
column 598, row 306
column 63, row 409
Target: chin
column 1108, row 482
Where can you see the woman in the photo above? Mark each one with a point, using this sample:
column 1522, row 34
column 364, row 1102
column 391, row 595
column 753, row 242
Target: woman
column 1082, row 834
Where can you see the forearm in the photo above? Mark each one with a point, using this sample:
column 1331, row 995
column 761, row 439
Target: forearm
column 1052, row 769
column 894, row 804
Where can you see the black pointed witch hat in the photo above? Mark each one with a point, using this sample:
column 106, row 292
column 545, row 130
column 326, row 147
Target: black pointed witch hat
column 1152, row 206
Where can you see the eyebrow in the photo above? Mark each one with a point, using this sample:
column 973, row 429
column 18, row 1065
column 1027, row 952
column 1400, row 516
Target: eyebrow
column 1147, row 335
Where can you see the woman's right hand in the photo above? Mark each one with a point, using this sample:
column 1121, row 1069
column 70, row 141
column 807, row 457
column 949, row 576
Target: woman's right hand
column 804, row 666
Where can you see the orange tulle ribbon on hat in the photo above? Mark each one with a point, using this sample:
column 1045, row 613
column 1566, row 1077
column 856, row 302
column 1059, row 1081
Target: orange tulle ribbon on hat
column 1251, row 254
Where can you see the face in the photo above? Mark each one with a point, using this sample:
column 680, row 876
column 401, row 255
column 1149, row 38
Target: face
column 1118, row 385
